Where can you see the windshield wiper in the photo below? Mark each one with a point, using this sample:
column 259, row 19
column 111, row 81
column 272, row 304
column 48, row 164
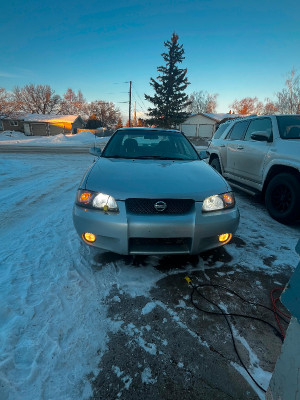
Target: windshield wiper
column 158, row 158
column 117, row 156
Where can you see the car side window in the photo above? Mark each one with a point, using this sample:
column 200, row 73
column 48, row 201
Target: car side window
column 220, row 131
column 259, row 125
column 237, row 132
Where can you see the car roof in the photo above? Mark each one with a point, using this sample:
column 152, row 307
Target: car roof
column 137, row 128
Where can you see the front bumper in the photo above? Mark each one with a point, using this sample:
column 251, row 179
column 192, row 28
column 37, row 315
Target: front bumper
column 126, row 233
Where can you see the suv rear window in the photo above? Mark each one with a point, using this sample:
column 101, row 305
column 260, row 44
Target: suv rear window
column 237, row 132
column 289, row 126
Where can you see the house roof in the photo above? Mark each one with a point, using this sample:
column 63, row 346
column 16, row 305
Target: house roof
column 216, row 117
column 219, row 117
column 28, row 117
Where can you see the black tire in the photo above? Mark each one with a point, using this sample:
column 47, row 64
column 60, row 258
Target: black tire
column 215, row 163
column 282, row 198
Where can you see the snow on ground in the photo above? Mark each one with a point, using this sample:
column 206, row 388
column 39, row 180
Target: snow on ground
column 53, row 301
column 261, row 377
column 80, row 139
column 53, row 311
column 262, row 237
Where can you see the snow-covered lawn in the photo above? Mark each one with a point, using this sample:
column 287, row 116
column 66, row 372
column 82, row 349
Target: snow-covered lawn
column 80, row 139
column 55, row 297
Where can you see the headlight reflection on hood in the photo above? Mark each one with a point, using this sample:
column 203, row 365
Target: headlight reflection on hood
column 100, row 201
column 218, row 202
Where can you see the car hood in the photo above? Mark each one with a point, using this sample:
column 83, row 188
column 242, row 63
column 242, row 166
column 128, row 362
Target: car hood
column 125, row 179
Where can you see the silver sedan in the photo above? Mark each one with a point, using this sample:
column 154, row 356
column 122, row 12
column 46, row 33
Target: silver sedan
column 150, row 192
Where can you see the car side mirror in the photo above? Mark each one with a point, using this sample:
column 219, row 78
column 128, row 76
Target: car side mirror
column 95, row 151
column 203, row 154
column 261, row 136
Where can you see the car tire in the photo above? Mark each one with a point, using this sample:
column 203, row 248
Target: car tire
column 282, row 198
column 215, row 163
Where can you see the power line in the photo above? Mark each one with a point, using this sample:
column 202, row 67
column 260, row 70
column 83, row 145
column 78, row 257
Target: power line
column 141, row 107
column 145, row 108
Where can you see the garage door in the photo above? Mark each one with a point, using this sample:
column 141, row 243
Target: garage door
column 189, row 129
column 206, row 131
column 39, row 129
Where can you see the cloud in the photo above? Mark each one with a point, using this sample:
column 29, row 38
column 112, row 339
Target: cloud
column 8, row 75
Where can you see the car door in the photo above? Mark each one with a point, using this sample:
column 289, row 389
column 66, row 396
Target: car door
column 234, row 143
column 250, row 154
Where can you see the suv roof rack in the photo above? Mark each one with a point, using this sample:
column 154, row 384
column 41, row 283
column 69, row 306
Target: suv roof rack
column 230, row 120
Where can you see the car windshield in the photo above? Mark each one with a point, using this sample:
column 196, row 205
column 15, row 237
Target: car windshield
column 289, row 126
column 149, row 144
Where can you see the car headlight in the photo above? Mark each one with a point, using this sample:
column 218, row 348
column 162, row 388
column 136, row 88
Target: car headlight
column 100, row 201
column 218, row 202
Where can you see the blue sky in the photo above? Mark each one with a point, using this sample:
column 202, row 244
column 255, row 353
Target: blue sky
column 233, row 48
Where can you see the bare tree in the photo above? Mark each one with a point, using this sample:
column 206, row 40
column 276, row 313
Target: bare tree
column 6, row 103
column 202, row 102
column 105, row 111
column 288, row 99
column 269, row 107
column 40, row 99
column 73, row 104
column 247, row 106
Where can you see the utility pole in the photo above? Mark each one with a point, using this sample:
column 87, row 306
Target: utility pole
column 129, row 103
column 134, row 115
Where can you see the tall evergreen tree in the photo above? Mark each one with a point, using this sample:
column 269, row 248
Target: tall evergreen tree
column 169, row 100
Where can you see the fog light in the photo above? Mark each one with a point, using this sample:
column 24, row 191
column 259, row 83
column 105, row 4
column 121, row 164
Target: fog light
column 89, row 237
column 225, row 237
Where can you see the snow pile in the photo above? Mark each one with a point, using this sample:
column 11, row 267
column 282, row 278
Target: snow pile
column 85, row 138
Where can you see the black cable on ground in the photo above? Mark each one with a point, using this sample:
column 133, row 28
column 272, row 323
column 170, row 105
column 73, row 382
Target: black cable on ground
column 279, row 314
column 226, row 315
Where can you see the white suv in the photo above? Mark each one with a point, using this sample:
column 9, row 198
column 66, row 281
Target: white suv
column 262, row 154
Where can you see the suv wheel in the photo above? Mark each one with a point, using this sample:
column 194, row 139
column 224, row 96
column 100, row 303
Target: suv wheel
column 215, row 163
column 283, row 197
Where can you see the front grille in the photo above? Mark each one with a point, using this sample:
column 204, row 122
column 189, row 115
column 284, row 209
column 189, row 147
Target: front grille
column 147, row 206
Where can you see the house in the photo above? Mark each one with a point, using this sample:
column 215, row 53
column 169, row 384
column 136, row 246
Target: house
column 42, row 124
column 1, row 124
column 203, row 125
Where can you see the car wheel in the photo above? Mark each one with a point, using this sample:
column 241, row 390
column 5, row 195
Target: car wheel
column 282, row 198
column 215, row 163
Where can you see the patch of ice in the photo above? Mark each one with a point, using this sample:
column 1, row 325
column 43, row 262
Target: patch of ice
column 146, row 376
column 117, row 371
column 181, row 304
column 148, row 308
column 176, row 319
column 137, row 336
column 135, row 281
column 127, row 380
